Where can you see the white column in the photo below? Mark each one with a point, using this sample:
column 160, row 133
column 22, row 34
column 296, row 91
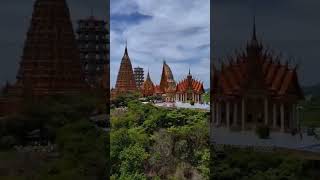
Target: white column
column 235, row 113
column 274, row 115
column 243, row 115
column 228, row 114
column 282, row 117
column 266, row 112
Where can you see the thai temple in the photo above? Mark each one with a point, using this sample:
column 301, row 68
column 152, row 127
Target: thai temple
column 186, row 90
column 255, row 88
column 126, row 82
column 50, row 62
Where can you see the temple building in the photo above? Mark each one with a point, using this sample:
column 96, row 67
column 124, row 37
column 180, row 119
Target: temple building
column 139, row 76
column 93, row 43
column 189, row 89
column 148, row 88
column 167, row 83
column 50, row 62
column 186, row 90
column 255, row 89
column 126, row 82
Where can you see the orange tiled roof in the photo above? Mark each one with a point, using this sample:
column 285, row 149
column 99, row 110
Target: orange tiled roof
column 195, row 85
column 277, row 77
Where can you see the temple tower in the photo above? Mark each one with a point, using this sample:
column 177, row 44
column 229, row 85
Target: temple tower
column 148, row 88
column 93, row 43
column 125, row 80
column 50, row 62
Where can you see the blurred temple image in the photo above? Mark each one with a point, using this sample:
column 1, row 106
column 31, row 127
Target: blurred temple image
column 50, row 64
column 256, row 88
column 54, row 114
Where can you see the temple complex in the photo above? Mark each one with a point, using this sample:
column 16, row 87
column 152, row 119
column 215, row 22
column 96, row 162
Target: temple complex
column 186, row 90
column 255, row 89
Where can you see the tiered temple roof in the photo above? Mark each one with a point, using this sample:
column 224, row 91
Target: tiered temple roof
column 167, row 83
column 256, row 69
column 148, row 86
column 190, row 84
column 125, row 80
column 50, row 62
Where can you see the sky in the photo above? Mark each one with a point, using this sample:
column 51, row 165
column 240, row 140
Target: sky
column 177, row 31
column 15, row 16
column 289, row 27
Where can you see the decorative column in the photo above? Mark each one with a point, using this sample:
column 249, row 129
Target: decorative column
column 243, row 111
column 235, row 113
column 282, row 117
column 266, row 112
column 228, row 113
column 274, row 115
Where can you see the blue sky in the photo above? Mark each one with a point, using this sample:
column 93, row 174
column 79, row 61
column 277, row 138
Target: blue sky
column 175, row 30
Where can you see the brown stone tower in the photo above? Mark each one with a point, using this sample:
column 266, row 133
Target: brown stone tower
column 125, row 80
column 50, row 62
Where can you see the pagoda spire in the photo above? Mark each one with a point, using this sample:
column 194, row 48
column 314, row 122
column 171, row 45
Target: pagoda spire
column 126, row 48
column 254, row 32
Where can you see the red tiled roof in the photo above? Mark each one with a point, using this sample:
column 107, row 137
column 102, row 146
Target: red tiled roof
column 278, row 77
column 157, row 89
column 196, row 86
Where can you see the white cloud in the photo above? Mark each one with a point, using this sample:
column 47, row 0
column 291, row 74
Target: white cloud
column 176, row 31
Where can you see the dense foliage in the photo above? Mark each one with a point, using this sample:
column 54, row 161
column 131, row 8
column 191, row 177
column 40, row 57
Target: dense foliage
column 248, row 164
column 64, row 121
column 147, row 141
column 311, row 112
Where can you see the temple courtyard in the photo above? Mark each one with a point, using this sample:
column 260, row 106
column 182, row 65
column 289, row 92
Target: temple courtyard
column 302, row 142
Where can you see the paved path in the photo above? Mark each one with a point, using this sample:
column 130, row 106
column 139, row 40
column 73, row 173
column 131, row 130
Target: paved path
column 277, row 139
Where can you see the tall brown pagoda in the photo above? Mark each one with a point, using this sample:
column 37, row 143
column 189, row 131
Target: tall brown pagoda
column 167, row 83
column 255, row 89
column 50, row 63
column 125, row 80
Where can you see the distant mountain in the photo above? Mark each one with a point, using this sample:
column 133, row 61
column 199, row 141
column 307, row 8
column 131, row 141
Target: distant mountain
column 207, row 90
